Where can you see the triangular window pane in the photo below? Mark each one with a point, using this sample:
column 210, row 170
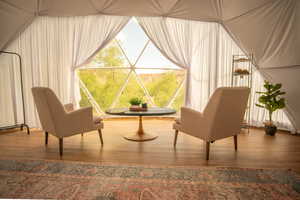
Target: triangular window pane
column 161, row 84
column 153, row 58
column 131, row 90
column 103, row 84
column 84, row 101
column 110, row 56
column 132, row 39
column 178, row 102
column 153, row 77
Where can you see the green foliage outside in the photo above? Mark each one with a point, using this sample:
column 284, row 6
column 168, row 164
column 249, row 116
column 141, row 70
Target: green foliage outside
column 271, row 99
column 111, row 56
column 102, row 84
column 179, row 100
column 162, row 88
column 105, row 84
column 131, row 90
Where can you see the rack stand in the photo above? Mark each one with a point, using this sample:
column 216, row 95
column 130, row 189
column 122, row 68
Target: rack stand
column 22, row 125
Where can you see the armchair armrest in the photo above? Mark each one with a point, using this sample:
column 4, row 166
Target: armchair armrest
column 69, row 107
column 193, row 123
column 79, row 120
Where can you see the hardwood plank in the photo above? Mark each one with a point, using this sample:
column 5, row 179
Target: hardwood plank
column 256, row 150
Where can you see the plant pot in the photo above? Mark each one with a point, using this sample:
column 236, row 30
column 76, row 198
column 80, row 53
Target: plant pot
column 270, row 130
column 134, row 107
column 144, row 105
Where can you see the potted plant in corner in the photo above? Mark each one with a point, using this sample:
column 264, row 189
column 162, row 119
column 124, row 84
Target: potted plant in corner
column 271, row 100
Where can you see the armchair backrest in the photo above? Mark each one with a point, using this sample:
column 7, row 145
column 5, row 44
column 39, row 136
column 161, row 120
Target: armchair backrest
column 225, row 111
column 50, row 109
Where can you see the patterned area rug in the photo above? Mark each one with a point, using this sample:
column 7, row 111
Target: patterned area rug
column 41, row 179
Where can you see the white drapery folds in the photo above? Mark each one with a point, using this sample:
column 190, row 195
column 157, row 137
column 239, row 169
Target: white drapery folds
column 52, row 48
column 7, row 99
column 205, row 50
column 189, row 44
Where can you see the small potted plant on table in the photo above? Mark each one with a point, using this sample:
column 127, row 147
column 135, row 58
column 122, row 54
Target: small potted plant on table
column 135, row 104
column 271, row 100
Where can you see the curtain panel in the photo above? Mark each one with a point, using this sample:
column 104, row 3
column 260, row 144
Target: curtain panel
column 51, row 49
column 7, row 87
column 205, row 49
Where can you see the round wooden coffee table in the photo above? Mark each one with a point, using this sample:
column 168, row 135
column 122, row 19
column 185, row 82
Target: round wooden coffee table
column 141, row 135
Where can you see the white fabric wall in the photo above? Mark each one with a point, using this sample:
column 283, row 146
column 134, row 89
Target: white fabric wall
column 51, row 49
column 7, row 103
column 68, row 41
column 271, row 32
column 269, row 29
column 260, row 115
column 205, row 50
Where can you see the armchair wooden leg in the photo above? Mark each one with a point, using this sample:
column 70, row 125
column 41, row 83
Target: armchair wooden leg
column 46, row 138
column 175, row 138
column 207, row 150
column 100, row 135
column 81, row 134
column 235, row 142
column 61, row 146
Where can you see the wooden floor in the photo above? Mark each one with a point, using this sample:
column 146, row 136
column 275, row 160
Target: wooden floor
column 255, row 150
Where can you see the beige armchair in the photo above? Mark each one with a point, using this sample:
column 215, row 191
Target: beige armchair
column 222, row 117
column 62, row 121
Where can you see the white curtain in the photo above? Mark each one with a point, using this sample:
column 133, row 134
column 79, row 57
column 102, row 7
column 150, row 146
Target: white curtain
column 205, row 50
column 52, row 48
column 7, row 114
column 189, row 44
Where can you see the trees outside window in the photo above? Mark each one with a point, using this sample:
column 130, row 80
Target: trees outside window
column 131, row 66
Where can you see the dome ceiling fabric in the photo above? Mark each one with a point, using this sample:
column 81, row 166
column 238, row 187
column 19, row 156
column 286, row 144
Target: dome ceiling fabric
column 269, row 29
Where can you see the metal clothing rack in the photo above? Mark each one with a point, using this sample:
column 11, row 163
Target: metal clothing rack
column 24, row 124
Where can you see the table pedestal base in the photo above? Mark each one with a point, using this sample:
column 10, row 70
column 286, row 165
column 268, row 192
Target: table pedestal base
column 140, row 135
column 140, row 138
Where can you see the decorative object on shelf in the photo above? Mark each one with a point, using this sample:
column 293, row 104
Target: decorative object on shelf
column 271, row 100
column 23, row 124
column 241, row 72
column 242, row 77
column 239, row 60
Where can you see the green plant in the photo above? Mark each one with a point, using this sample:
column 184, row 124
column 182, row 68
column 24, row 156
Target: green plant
column 135, row 101
column 271, row 99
